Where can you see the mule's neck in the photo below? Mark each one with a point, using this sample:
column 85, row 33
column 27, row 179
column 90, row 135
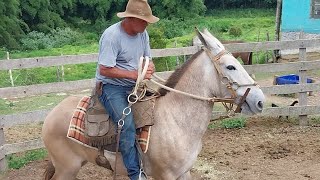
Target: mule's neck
column 192, row 114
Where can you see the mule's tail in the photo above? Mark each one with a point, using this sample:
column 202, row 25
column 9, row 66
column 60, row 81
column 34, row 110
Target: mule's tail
column 49, row 172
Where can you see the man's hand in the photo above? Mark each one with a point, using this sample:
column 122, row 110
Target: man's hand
column 150, row 70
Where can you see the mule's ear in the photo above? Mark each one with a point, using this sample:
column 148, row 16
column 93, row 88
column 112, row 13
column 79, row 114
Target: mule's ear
column 209, row 42
column 206, row 32
column 202, row 39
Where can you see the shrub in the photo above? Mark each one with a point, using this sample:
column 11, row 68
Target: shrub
column 36, row 40
column 3, row 53
column 235, row 31
column 165, row 63
column 61, row 37
column 157, row 40
column 56, row 38
column 172, row 28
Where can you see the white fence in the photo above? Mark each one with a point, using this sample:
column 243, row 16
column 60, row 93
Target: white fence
column 300, row 67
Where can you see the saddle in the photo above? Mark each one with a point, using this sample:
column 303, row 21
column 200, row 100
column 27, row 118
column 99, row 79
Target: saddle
column 92, row 126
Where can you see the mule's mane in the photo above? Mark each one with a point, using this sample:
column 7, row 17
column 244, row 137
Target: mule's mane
column 177, row 74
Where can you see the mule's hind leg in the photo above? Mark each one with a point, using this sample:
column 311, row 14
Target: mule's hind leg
column 66, row 171
column 66, row 161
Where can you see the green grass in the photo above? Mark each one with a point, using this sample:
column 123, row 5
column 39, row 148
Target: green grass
column 29, row 103
column 245, row 13
column 229, row 123
column 314, row 120
column 24, row 77
column 65, row 50
column 232, row 123
column 16, row 161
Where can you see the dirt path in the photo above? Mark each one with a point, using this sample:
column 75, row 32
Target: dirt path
column 267, row 148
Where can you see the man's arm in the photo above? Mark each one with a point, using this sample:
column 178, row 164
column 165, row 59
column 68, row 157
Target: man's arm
column 114, row 72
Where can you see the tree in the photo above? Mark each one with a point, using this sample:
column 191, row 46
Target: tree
column 10, row 24
column 230, row 4
column 178, row 8
column 41, row 15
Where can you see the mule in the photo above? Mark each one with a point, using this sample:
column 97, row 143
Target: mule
column 179, row 121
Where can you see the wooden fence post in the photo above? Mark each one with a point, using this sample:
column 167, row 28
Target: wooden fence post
column 62, row 73
column 10, row 71
column 303, row 101
column 3, row 162
column 58, row 74
column 177, row 58
column 276, row 52
column 267, row 55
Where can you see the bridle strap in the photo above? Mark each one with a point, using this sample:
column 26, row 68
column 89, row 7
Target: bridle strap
column 214, row 60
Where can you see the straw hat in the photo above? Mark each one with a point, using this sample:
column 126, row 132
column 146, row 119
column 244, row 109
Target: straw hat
column 139, row 9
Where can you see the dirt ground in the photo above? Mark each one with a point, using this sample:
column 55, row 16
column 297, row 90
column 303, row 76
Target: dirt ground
column 266, row 148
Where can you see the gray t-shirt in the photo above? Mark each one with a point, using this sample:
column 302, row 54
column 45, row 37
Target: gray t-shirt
column 118, row 49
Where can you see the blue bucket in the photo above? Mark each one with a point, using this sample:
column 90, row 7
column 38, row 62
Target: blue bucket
column 290, row 79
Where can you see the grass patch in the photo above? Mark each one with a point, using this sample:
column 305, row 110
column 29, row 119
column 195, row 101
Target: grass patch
column 16, row 161
column 65, row 50
column 29, row 103
column 24, row 77
column 229, row 123
column 314, row 120
column 232, row 123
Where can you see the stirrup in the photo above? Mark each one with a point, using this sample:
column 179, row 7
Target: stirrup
column 142, row 175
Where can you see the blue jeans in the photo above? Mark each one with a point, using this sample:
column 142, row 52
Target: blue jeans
column 114, row 99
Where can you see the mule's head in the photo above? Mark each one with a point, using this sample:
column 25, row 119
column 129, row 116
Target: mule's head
column 232, row 75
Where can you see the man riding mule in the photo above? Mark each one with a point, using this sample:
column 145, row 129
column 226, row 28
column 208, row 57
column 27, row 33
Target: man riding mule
column 121, row 47
column 181, row 116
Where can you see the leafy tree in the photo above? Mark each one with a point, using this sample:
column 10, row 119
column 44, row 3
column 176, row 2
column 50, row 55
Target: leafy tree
column 64, row 8
column 178, row 8
column 231, row 4
column 10, row 25
column 99, row 13
column 40, row 15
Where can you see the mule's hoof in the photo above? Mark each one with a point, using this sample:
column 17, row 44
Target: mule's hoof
column 103, row 162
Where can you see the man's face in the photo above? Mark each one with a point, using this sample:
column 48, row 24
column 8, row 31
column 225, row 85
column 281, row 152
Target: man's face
column 139, row 25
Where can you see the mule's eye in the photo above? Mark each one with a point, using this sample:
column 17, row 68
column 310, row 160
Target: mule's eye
column 231, row 67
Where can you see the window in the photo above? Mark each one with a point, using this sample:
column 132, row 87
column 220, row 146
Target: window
column 315, row 9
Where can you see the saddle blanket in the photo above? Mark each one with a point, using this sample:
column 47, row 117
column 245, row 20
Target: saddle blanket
column 76, row 131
